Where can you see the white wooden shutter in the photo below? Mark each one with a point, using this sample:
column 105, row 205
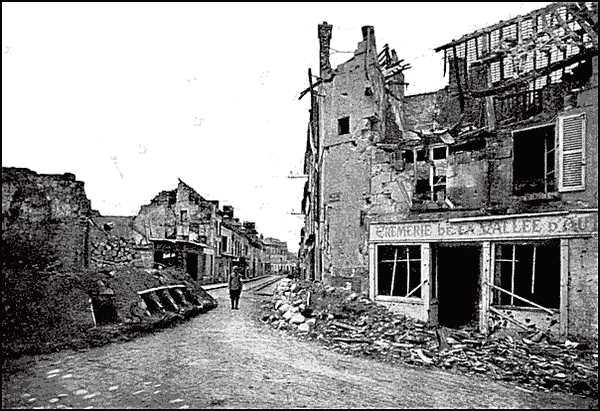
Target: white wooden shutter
column 571, row 140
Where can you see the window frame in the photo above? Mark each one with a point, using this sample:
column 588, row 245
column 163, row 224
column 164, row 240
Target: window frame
column 394, row 298
column 513, row 260
column 546, row 152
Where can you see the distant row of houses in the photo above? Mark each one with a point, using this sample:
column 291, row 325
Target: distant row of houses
column 188, row 231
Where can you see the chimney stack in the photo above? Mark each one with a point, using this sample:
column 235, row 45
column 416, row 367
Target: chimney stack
column 324, row 41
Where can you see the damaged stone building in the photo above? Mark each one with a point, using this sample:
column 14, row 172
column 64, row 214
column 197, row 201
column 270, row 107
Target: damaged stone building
column 475, row 204
column 67, row 268
column 193, row 233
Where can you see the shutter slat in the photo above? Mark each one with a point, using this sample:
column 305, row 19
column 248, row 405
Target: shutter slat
column 572, row 144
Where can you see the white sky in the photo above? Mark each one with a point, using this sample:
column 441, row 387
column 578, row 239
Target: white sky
column 131, row 96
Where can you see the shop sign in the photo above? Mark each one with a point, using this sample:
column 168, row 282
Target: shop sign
column 544, row 226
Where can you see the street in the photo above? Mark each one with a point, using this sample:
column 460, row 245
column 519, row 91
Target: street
column 226, row 359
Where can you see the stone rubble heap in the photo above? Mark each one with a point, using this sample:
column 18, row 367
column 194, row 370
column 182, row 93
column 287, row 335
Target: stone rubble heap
column 350, row 323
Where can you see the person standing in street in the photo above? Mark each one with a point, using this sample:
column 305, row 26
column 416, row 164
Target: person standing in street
column 235, row 288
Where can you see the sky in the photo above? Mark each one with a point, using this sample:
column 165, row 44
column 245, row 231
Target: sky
column 130, row 97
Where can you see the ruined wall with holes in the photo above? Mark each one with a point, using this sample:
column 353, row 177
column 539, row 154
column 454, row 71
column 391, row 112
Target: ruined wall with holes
column 158, row 219
column 583, row 287
column 44, row 220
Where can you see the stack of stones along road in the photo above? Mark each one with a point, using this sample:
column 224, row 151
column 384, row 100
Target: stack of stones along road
column 50, row 311
column 352, row 324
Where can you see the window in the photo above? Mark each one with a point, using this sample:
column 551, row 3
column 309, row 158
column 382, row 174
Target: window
column 183, row 215
column 344, row 125
column 399, row 271
column 224, row 244
column 534, row 161
column 408, row 156
column 431, row 175
column 439, row 153
column 529, row 271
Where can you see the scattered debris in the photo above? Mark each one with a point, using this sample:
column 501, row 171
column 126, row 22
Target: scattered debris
column 350, row 323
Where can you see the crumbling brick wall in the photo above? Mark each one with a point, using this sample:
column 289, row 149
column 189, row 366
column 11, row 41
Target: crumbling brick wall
column 45, row 220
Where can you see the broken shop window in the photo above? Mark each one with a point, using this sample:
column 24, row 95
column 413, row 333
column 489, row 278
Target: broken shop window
column 399, row 271
column 534, row 161
column 526, row 274
column 344, row 125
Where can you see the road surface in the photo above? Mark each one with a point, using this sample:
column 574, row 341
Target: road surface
column 226, row 359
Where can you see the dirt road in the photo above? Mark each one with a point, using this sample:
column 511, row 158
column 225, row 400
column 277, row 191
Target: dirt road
column 225, row 359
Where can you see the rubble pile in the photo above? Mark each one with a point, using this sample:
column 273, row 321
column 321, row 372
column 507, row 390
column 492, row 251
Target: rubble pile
column 45, row 311
column 352, row 324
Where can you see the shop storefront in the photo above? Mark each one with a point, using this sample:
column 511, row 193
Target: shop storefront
column 514, row 268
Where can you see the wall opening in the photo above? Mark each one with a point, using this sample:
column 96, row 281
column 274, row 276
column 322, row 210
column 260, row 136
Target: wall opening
column 534, row 161
column 191, row 265
column 530, row 271
column 399, row 271
column 458, row 270
column 105, row 311
column 344, row 125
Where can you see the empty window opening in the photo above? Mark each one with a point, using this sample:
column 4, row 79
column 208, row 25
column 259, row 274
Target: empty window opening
column 423, row 189
column 534, row 161
column 528, row 271
column 408, row 156
column 422, row 155
column 344, row 125
column 399, row 271
column 458, row 270
column 104, row 309
column 184, row 215
column 440, row 153
column 224, row 244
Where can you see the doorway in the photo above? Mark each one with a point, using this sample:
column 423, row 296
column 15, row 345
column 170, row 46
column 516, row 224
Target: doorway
column 191, row 265
column 458, row 272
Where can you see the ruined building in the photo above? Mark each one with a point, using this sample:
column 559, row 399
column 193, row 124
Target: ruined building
column 474, row 204
column 190, row 232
